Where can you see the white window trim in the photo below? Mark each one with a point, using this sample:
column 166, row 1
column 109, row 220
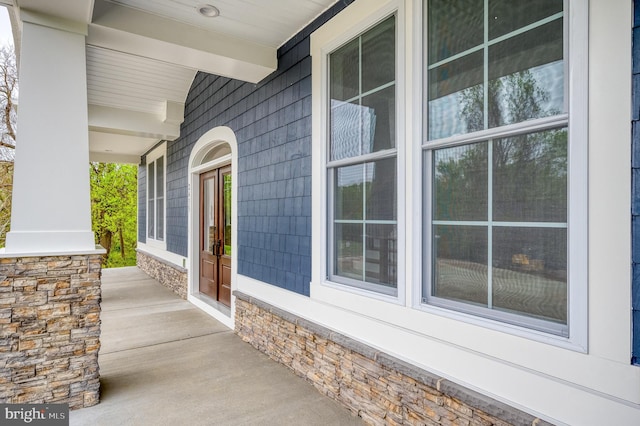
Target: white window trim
column 362, row 17
column 578, row 202
column 159, row 151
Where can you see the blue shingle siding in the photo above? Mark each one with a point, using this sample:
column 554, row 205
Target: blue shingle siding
column 142, row 204
column 177, row 198
column 272, row 124
column 635, row 185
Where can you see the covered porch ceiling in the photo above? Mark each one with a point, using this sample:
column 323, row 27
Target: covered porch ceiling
column 142, row 56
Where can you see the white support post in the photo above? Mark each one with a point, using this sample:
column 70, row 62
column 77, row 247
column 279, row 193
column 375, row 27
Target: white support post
column 51, row 210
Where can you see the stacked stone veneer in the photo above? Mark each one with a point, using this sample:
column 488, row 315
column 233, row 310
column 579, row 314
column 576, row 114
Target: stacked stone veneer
column 169, row 275
column 50, row 330
column 379, row 388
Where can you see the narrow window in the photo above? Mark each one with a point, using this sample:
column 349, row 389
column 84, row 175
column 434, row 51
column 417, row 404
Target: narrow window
column 160, row 199
column 151, row 201
column 155, row 199
column 362, row 157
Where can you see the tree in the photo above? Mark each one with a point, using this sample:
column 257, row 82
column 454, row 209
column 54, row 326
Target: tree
column 6, row 185
column 8, row 102
column 114, row 211
column 8, row 115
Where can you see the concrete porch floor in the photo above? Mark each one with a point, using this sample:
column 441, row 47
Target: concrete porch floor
column 165, row 362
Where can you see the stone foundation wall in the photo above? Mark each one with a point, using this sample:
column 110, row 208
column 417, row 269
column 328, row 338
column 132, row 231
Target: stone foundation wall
column 50, row 330
column 382, row 390
column 169, row 275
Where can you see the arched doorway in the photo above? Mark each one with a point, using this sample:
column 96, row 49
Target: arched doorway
column 212, row 223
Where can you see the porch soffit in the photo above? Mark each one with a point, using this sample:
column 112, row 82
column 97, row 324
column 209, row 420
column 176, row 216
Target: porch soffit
column 142, row 56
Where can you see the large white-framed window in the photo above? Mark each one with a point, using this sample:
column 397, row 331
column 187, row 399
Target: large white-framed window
column 504, row 162
column 491, row 167
column 156, row 191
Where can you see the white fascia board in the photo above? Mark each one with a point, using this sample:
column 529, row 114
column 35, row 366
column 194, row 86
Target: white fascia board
column 132, row 123
column 71, row 10
column 132, row 31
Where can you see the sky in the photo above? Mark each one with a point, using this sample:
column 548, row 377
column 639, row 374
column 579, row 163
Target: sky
column 5, row 27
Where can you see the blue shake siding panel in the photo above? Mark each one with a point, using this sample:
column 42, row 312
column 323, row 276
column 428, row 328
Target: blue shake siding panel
column 272, row 123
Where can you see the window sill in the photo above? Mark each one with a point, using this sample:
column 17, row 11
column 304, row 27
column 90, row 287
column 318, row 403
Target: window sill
column 503, row 327
column 333, row 290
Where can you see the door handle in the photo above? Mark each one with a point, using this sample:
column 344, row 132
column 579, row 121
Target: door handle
column 215, row 248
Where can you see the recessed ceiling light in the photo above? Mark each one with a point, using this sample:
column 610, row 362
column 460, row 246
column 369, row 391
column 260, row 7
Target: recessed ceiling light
column 208, row 10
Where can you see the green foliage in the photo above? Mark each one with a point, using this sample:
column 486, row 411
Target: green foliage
column 6, row 185
column 114, row 211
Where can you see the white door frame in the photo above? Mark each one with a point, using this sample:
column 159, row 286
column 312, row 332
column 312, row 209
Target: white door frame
column 211, row 139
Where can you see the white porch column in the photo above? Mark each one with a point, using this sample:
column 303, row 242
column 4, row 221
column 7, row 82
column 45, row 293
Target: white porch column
column 51, row 210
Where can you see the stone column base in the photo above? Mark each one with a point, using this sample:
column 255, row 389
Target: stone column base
column 50, row 329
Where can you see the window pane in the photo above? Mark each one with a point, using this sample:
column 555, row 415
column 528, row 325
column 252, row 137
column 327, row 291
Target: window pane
column 151, row 180
column 363, row 129
column 378, row 55
column 530, row 177
column 216, row 152
column 160, row 199
column 371, row 186
column 381, row 197
column 460, row 263
column 456, row 97
column 352, row 130
column 382, row 125
column 349, row 192
column 151, row 219
column 362, row 112
column 227, row 214
column 209, row 220
column 526, row 76
column 460, row 182
column 345, row 72
column 506, row 16
column 530, row 272
column 381, row 255
column 160, row 219
column 151, row 192
column 349, row 252
column 445, row 19
column 160, row 176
